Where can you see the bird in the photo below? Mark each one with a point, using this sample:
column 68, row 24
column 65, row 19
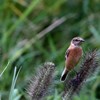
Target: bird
column 72, row 56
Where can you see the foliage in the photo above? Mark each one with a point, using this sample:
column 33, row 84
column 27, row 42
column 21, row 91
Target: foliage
column 35, row 31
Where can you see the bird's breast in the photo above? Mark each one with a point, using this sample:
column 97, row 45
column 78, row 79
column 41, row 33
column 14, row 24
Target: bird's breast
column 74, row 57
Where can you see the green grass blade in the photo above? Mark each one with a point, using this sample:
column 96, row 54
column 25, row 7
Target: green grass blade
column 22, row 18
column 15, row 76
column 4, row 70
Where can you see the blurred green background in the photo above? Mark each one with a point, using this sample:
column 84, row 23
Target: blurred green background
column 35, row 31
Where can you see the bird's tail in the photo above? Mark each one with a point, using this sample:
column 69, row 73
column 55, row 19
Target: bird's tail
column 64, row 74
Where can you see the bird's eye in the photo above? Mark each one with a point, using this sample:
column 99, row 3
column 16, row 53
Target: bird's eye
column 76, row 40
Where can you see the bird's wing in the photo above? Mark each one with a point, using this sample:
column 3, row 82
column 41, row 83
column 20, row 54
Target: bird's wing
column 67, row 53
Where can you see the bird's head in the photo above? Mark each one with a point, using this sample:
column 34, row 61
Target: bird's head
column 77, row 41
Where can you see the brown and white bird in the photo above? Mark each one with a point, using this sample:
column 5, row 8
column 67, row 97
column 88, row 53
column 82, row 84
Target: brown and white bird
column 72, row 56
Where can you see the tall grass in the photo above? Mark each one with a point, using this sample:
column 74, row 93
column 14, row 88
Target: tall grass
column 35, row 31
column 13, row 91
column 4, row 70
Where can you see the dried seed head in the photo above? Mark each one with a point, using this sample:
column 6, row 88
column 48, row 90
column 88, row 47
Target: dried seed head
column 39, row 84
column 88, row 67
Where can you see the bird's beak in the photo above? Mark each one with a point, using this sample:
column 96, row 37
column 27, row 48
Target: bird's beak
column 82, row 40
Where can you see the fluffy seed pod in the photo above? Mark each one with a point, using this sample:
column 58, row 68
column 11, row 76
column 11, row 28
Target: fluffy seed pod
column 88, row 67
column 40, row 83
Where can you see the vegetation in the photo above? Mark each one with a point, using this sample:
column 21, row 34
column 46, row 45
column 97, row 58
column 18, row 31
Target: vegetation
column 35, row 31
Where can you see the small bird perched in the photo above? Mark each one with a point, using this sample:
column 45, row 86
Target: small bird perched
column 72, row 56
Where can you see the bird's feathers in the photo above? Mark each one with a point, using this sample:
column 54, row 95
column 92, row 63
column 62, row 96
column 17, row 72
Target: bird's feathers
column 64, row 74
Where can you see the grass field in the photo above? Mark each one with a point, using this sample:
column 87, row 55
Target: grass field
column 35, row 31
